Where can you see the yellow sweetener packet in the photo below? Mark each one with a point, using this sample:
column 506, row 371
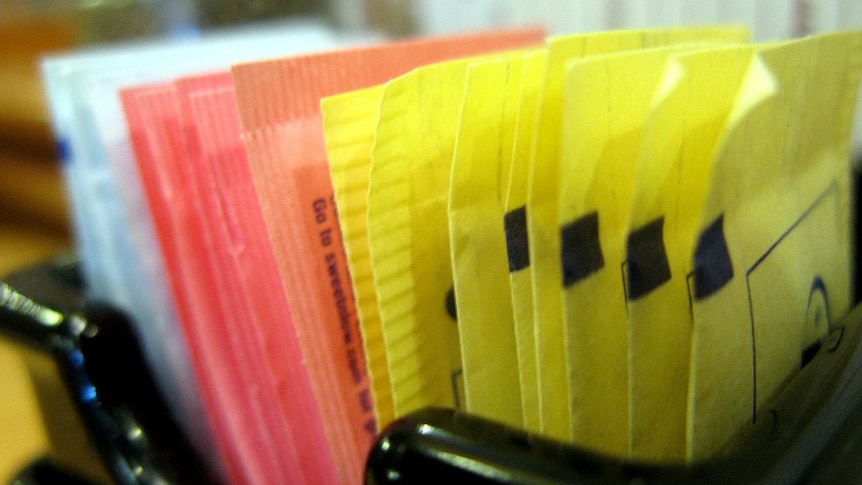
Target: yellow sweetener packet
column 543, row 200
column 408, row 234
column 606, row 103
column 515, row 227
column 672, row 179
column 705, row 88
column 480, row 178
column 772, row 263
column 349, row 123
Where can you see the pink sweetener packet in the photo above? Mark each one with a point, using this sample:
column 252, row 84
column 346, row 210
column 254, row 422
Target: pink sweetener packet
column 220, row 164
column 235, row 395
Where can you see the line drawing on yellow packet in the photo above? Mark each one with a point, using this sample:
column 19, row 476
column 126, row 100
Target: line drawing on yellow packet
column 349, row 122
column 515, row 227
column 409, row 237
column 480, row 176
column 606, row 103
column 771, row 267
column 543, row 200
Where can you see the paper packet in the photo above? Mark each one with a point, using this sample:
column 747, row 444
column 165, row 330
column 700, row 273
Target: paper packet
column 409, row 241
column 679, row 138
column 349, row 121
column 480, row 173
column 517, row 241
column 543, row 201
column 772, row 262
column 720, row 73
column 607, row 100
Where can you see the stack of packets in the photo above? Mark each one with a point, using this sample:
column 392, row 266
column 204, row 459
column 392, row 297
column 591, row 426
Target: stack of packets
column 237, row 189
column 114, row 232
column 626, row 240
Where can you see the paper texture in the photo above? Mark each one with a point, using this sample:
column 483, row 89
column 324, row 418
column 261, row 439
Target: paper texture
column 480, row 170
column 349, row 122
column 679, row 138
column 517, row 241
column 606, row 103
column 688, row 151
column 409, row 242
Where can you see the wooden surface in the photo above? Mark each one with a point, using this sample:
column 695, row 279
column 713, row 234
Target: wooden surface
column 33, row 220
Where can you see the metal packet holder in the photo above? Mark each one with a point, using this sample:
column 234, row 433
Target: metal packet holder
column 101, row 369
column 810, row 432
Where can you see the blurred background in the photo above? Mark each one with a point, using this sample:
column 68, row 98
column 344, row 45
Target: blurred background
column 34, row 222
